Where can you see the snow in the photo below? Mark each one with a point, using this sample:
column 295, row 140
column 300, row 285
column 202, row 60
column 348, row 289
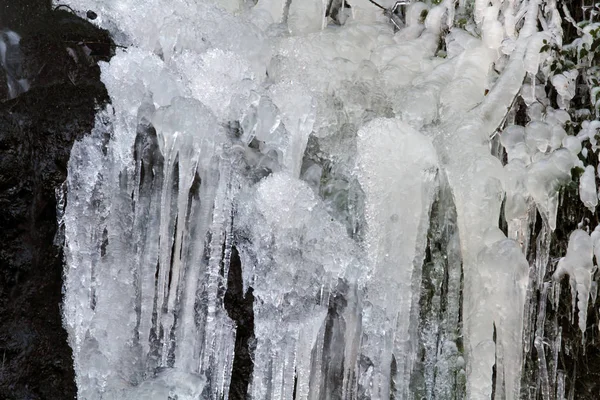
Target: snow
column 319, row 151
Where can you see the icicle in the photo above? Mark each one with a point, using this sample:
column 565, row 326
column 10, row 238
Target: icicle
column 560, row 386
column 556, row 349
column 394, row 160
column 539, row 343
column 587, row 188
column 578, row 264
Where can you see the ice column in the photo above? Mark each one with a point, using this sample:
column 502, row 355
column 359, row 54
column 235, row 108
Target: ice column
column 397, row 167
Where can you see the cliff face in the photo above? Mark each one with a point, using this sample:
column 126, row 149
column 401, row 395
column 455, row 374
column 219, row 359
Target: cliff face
column 37, row 130
column 17, row 14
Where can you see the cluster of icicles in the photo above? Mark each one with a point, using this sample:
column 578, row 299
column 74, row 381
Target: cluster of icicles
column 318, row 153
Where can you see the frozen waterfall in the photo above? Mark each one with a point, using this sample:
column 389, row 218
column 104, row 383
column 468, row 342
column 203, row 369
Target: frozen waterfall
column 298, row 200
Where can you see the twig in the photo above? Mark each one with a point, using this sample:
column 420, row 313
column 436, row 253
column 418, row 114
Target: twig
column 504, row 119
column 64, row 6
column 88, row 42
column 570, row 19
column 398, row 4
column 378, row 5
column 72, row 75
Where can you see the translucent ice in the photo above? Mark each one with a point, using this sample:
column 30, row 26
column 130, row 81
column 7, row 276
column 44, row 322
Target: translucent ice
column 504, row 261
column 300, row 255
column 316, row 152
column 545, row 177
column 565, row 86
column 578, row 264
column 306, row 16
column 397, row 168
column 513, row 140
column 587, row 188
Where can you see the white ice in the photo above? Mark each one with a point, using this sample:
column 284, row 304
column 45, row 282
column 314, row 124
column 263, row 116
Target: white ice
column 236, row 91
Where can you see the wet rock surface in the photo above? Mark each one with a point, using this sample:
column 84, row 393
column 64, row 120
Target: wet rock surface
column 37, row 130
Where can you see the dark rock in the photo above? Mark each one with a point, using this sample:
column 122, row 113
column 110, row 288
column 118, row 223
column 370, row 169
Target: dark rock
column 240, row 308
column 37, row 131
column 91, row 15
column 15, row 14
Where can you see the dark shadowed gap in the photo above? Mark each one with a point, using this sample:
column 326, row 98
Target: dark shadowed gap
column 393, row 372
column 502, row 223
column 173, row 228
column 173, row 255
column 295, row 385
column 494, row 367
column 332, row 366
column 239, row 307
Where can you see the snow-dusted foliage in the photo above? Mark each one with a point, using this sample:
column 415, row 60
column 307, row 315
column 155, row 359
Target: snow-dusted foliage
column 352, row 159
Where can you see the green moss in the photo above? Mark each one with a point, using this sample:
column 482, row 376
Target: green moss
column 576, row 173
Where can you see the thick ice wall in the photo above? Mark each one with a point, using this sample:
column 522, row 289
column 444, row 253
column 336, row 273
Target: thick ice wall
column 335, row 83
column 155, row 176
column 116, row 335
column 397, row 167
column 162, row 73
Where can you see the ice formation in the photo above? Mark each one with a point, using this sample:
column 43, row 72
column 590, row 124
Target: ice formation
column 11, row 63
column 578, row 264
column 343, row 165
